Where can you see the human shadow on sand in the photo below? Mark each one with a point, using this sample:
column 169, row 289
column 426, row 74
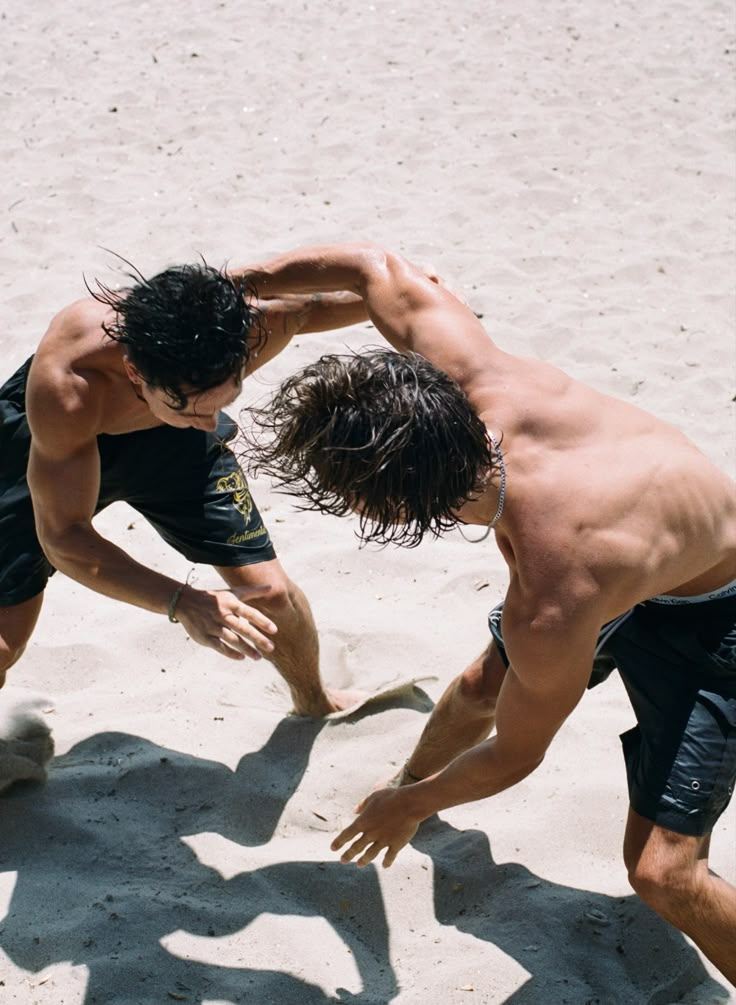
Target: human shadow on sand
column 99, row 848
column 578, row 946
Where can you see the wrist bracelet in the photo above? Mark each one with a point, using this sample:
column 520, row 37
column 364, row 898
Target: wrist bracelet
column 174, row 601
column 177, row 595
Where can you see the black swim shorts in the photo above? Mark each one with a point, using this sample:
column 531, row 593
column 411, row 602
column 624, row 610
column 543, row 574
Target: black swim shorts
column 185, row 482
column 678, row 664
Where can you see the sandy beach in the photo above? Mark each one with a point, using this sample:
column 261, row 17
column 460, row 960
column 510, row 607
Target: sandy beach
column 571, row 169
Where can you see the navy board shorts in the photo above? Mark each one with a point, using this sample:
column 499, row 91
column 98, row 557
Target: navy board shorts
column 677, row 659
column 186, row 482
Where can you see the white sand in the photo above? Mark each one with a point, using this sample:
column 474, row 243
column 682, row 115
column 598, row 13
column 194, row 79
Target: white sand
column 571, row 167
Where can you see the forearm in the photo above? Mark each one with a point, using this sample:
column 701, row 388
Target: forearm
column 83, row 555
column 318, row 269
column 388, row 819
column 476, row 774
column 317, row 312
column 335, row 310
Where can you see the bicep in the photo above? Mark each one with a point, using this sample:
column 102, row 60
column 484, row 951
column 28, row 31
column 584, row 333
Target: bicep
column 528, row 717
column 64, row 487
column 550, row 669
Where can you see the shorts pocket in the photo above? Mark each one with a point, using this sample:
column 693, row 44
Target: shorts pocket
column 704, row 772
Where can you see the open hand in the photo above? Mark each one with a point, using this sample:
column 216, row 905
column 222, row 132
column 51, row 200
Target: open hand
column 221, row 620
column 383, row 821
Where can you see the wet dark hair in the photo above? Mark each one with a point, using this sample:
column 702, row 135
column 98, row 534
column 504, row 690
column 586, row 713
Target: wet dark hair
column 190, row 327
column 380, row 431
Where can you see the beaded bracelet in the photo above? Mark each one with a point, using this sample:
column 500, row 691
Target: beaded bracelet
column 177, row 595
column 174, row 601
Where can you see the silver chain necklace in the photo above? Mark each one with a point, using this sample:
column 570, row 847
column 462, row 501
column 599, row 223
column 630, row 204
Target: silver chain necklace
column 501, row 497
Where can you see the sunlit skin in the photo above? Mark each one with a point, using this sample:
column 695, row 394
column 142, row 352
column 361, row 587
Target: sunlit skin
column 201, row 408
column 81, row 385
column 606, row 506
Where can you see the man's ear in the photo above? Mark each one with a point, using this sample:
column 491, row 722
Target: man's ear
column 132, row 371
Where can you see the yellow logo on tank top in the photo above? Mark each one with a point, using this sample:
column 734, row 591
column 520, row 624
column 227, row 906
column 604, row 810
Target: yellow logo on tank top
column 237, row 485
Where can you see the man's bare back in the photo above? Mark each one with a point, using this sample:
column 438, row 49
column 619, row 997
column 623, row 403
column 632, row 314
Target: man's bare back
column 620, row 538
column 628, row 498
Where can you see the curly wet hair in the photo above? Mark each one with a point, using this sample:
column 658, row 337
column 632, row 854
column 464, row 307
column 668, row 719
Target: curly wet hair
column 380, row 433
column 188, row 328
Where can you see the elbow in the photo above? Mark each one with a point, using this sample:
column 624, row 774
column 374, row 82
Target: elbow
column 371, row 258
column 62, row 548
column 525, row 767
column 53, row 548
column 520, row 764
column 370, row 250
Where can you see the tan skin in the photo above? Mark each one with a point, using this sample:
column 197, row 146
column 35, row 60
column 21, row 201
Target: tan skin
column 82, row 384
column 606, row 506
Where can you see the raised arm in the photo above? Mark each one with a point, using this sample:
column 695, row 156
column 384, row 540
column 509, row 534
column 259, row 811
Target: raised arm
column 411, row 311
column 291, row 314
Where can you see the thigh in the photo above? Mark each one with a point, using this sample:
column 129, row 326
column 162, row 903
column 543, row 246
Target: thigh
column 190, row 487
column 16, row 627
column 24, row 569
column 681, row 755
column 266, row 573
column 484, row 677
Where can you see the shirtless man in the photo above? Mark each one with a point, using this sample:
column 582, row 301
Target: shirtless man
column 123, row 400
column 620, row 538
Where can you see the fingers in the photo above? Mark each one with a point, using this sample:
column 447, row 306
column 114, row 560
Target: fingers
column 343, row 836
column 364, row 846
column 245, row 631
column 388, row 858
column 382, row 825
column 220, row 619
column 232, row 645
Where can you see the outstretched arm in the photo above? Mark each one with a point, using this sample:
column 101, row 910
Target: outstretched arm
column 408, row 306
column 316, row 312
column 290, row 314
column 550, row 669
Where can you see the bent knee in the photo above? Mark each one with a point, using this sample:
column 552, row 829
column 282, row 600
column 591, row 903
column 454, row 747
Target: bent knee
column 282, row 596
column 671, row 889
column 477, row 690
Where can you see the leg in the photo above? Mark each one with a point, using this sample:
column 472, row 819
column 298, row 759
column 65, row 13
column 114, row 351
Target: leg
column 16, row 627
column 296, row 656
column 463, row 716
column 669, row 871
column 201, row 496
column 28, row 747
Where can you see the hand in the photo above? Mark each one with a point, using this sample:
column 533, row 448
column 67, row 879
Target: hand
column 221, row 620
column 383, row 821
